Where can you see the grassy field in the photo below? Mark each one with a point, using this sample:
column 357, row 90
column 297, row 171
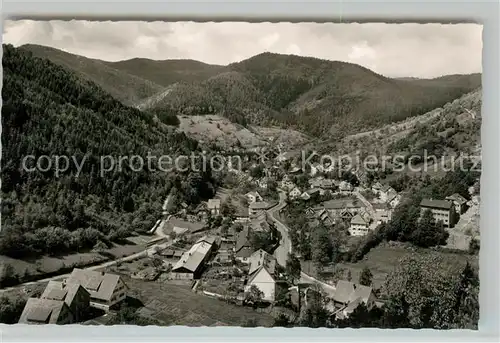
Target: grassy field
column 178, row 305
column 384, row 258
column 49, row 264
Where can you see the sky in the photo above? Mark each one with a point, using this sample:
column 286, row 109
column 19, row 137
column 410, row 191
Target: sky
column 393, row 50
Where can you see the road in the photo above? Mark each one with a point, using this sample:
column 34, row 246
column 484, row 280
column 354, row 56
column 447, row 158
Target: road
column 281, row 253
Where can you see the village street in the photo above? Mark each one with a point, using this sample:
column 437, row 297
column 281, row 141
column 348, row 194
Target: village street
column 281, row 253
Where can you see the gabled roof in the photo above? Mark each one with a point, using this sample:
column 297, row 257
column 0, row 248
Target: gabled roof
column 41, row 311
column 193, row 258
column 347, row 292
column 434, row 203
column 254, row 194
column 258, row 270
column 358, row 220
column 56, row 290
column 262, row 258
column 243, row 239
column 100, row 285
column 457, row 198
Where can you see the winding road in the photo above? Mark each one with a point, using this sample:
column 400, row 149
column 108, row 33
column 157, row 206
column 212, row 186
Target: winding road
column 285, row 247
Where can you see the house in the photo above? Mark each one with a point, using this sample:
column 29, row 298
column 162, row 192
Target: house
column 191, row 263
column 214, row 206
column 383, row 212
column 442, row 210
column 46, row 311
column 337, row 206
column 305, row 196
column 459, row 202
column 359, row 225
column 349, row 295
column 325, row 218
column 242, row 214
column 263, row 182
column 74, row 295
column 180, row 226
column 262, row 274
column 253, row 197
column 294, row 193
column 345, row 187
column 258, row 207
column 393, row 198
column 105, row 289
column 244, row 249
column 376, row 187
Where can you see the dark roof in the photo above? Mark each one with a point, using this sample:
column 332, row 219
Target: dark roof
column 434, row 203
column 41, row 311
column 243, row 239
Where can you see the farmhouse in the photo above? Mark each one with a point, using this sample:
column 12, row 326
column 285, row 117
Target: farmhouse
column 442, row 210
column 106, row 290
column 74, row 295
column 359, row 225
column 383, row 213
column 46, row 311
column 295, row 193
column 348, row 296
column 191, row 263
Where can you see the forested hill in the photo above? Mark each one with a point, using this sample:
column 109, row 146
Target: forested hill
column 309, row 94
column 48, row 110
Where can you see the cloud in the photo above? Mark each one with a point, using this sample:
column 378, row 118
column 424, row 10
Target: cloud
column 396, row 50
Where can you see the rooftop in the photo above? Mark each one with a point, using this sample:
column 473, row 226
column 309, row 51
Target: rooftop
column 192, row 259
column 347, row 292
column 41, row 311
column 259, row 205
column 435, row 203
column 100, row 285
column 457, row 197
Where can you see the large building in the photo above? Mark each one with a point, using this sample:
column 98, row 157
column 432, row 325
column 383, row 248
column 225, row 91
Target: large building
column 190, row 265
column 459, row 202
column 105, row 289
column 442, row 210
column 360, row 224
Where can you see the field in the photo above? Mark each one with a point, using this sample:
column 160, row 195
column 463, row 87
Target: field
column 384, row 258
column 48, row 265
column 178, row 305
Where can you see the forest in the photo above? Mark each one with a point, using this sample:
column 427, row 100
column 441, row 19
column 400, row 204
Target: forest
column 50, row 111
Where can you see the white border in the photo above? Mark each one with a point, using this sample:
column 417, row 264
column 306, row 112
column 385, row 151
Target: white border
column 484, row 12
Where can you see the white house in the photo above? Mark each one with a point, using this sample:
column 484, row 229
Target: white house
column 359, row 225
column 214, row 206
column 345, row 187
column 253, row 197
column 262, row 274
column 295, row 193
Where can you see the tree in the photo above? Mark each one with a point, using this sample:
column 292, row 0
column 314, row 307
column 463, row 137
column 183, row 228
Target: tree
column 321, row 246
column 430, row 290
column 365, row 277
column 254, row 296
column 8, row 276
column 282, row 320
column 428, row 232
column 293, row 268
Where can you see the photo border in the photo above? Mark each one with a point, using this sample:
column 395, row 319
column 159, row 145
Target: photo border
column 483, row 12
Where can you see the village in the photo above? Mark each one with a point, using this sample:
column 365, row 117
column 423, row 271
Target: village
column 236, row 247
